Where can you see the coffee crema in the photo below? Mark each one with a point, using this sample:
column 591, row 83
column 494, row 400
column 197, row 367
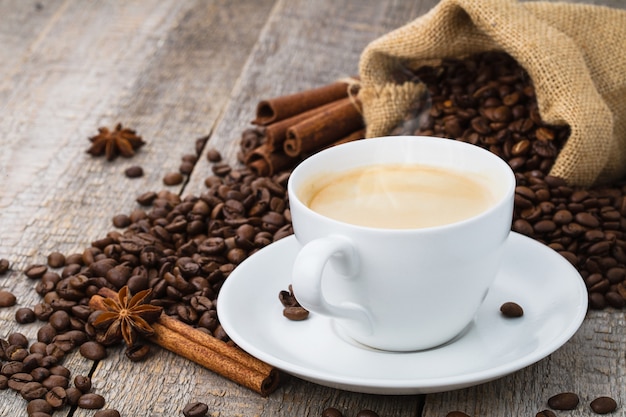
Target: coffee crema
column 398, row 196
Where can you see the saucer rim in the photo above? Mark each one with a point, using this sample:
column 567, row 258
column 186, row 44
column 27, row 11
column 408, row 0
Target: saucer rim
column 417, row 385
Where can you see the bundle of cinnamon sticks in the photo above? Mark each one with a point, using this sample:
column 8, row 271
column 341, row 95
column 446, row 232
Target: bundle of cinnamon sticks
column 292, row 127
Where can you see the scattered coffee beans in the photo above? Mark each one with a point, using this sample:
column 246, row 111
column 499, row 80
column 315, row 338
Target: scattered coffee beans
column 564, row 401
column 195, row 409
column 603, row 405
column 292, row 308
column 511, row 309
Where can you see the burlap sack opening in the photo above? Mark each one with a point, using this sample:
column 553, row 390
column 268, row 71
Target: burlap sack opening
column 574, row 53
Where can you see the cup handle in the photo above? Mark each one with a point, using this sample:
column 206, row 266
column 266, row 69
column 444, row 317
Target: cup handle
column 307, row 278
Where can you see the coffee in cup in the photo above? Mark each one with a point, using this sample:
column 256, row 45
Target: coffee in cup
column 396, row 269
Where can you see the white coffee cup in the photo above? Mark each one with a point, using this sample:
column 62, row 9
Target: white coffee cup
column 399, row 288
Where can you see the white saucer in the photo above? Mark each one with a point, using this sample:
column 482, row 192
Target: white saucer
column 546, row 285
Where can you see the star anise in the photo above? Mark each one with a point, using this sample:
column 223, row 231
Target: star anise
column 128, row 316
column 111, row 143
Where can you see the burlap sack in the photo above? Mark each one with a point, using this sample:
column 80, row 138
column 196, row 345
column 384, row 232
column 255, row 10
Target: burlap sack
column 574, row 53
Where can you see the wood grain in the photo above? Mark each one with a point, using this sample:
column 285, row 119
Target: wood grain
column 175, row 71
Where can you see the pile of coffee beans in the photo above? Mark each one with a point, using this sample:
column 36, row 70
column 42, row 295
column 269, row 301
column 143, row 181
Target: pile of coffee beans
column 181, row 248
column 35, row 372
column 489, row 100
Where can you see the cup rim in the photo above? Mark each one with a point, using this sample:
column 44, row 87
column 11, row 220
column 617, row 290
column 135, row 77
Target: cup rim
column 506, row 197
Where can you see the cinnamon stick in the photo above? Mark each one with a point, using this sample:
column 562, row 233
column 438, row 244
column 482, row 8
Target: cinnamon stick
column 264, row 161
column 276, row 133
column 207, row 351
column 323, row 129
column 280, row 108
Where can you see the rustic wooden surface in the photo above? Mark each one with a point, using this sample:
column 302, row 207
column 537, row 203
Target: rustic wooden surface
column 175, row 71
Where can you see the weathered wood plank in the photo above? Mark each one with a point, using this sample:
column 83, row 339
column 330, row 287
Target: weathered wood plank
column 591, row 364
column 164, row 68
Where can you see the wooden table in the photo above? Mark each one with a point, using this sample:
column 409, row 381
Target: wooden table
column 175, row 71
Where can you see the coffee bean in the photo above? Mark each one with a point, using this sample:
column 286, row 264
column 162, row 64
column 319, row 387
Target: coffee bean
column 366, row 413
column 457, row 414
column 93, row 350
column 213, row 155
column 18, row 380
column 91, row 401
column 4, row 266
column 331, row 412
column 121, row 221
column 18, row 339
column 83, row 383
column 39, row 414
column 38, row 405
column 134, row 171
column 137, row 352
column 7, row 299
column 546, row 413
column 25, row 315
column 296, row 313
column 564, row 401
column 33, row 390
column 35, row 271
column 195, row 409
column 603, row 405
column 511, row 309
column 107, row 413
column 4, row 382
column 56, row 260
column 73, row 394
column 56, row 381
column 56, row 397
column 173, row 178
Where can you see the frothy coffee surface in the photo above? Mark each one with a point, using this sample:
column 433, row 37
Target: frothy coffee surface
column 399, row 196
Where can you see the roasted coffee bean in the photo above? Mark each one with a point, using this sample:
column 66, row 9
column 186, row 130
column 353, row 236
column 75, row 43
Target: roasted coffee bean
column 564, row 401
column 213, row 155
column 33, row 390
column 91, row 401
column 137, row 352
column 40, row 373
column 83, row 383
column 195, row 409
column 296, row 313
column 331, row 412
column 60, row 320
column 38, row 405
column 511, row 309
column 25, row 315
column 35, row 271
column 18, row 339
column 173, row 178
column 11, row 368
column 4, row 382
column 56, row 381
column 7, row 299
column 134, row 171
column 603, row 405
column 18, row 380
column 546, row 413
column 73, row 394
column 56, row 397
column 121, row 221
column 366, row 413
column 4, row 266
column 46, row 333
column 107, row 413
column 93, row 350
column 56, row 260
